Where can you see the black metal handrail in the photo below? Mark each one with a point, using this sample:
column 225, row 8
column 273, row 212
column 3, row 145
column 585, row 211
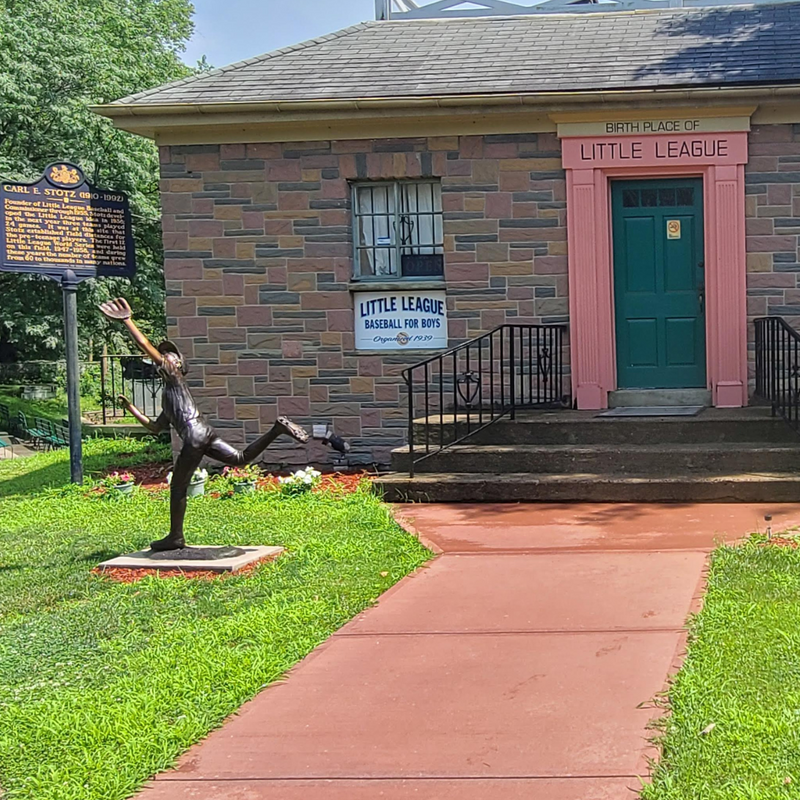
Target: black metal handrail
column 456, row 394
column 135, row 377
column 778, row 367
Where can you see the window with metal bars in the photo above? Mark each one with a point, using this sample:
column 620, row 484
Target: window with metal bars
column 397, row 229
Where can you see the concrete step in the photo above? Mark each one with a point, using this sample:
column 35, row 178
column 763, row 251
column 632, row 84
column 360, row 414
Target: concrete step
column 753, row 425
column 766, row 487
column 636, row 459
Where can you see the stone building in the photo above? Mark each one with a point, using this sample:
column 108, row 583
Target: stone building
column 337, row 211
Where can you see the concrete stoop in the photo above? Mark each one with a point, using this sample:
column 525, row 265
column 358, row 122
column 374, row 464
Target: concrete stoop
column 741, row 455
column 514, row 487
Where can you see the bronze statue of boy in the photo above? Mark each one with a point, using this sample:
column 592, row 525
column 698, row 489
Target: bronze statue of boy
column 179, row 411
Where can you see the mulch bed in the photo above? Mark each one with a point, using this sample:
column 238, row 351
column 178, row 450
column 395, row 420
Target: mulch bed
column 154, row 477
column 148, row 476
column 343, row 482
column 782, row 541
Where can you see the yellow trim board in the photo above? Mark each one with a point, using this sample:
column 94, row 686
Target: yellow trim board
column 620, row 122
column 644, row 125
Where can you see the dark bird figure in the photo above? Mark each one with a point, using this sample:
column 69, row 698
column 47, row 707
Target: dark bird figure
column 179, row 411
column 336, row 443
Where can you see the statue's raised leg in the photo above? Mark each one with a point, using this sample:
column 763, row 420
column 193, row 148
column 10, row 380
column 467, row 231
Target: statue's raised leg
column 225, row 453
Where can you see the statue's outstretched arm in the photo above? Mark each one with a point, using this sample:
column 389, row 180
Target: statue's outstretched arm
column 120, row 310
column 155, row 426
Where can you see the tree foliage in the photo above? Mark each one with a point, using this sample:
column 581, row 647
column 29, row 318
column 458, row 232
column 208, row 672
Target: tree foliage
column 57, row 58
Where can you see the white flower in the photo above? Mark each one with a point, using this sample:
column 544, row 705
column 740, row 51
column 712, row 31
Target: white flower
column 305, row 478
column 198, row 476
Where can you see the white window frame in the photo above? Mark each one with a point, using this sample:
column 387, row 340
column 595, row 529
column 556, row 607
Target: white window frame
column 396, row 246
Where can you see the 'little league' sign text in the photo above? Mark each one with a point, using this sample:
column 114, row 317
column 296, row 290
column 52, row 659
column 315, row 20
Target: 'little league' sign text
column 401, row 320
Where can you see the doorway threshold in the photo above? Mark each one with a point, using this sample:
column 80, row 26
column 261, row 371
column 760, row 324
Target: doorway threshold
column 638, row 398
column 653, row 411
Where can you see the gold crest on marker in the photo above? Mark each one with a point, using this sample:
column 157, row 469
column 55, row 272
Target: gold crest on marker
column 67, row 176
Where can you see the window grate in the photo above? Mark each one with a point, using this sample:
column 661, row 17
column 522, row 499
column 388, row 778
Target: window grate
column 649, row 198
column 398, row 230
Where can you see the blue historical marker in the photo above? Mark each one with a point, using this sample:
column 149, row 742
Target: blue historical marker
column 65, row 229
column 62, row 223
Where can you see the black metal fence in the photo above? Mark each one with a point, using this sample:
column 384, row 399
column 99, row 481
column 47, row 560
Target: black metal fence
column 453, row 395
column 778, row 367
column 133, row 376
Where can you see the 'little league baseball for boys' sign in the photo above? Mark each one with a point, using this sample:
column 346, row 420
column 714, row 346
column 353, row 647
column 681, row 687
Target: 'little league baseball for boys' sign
column 401, row 320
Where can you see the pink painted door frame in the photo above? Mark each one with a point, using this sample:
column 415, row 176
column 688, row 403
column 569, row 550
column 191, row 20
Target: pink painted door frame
column 591, row 163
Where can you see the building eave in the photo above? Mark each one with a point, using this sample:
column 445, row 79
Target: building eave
column 173, row 121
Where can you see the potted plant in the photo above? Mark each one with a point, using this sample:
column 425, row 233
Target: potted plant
column 243, row 478
column 120, row 482
column 197, row 486
column 301, row 481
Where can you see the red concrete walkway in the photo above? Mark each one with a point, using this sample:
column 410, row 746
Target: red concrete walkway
column 519, row 664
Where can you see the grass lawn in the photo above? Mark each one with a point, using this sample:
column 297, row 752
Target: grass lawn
column 55, row 410
column 742, row 675
column 102, row 684
column 51, row 469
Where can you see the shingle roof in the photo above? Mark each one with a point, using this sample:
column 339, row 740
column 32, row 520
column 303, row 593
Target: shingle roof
column 737, row 45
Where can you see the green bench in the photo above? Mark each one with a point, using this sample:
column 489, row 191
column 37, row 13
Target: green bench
column 31, row 431
column 58, row 435
column 44, row 433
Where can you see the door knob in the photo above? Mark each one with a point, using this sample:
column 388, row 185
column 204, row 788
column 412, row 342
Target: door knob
column 701, row 296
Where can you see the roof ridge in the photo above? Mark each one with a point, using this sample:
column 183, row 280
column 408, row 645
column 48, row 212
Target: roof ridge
column 308, row 43
column 594, row 14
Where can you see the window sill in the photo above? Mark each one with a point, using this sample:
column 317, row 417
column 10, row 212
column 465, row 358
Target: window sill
column 398, row 285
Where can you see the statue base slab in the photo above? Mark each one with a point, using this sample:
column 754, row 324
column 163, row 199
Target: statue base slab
column 208, row 559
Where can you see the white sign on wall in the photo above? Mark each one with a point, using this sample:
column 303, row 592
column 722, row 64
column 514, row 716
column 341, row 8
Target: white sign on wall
column 401, row 320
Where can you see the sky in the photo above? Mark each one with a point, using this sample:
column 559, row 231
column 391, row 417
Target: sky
column 231, row 30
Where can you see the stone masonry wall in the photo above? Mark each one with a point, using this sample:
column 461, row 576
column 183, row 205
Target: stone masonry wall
column 259, row 258
column 773, row 226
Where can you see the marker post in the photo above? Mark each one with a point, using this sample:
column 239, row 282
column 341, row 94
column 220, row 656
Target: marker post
column 69, row 290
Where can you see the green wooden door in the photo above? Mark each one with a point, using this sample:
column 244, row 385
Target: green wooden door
column 658, row 283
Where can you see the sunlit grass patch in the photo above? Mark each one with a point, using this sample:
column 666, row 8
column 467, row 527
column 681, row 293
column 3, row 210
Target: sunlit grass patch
column 102, row 683
column 22, row 476
column 734, row 728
